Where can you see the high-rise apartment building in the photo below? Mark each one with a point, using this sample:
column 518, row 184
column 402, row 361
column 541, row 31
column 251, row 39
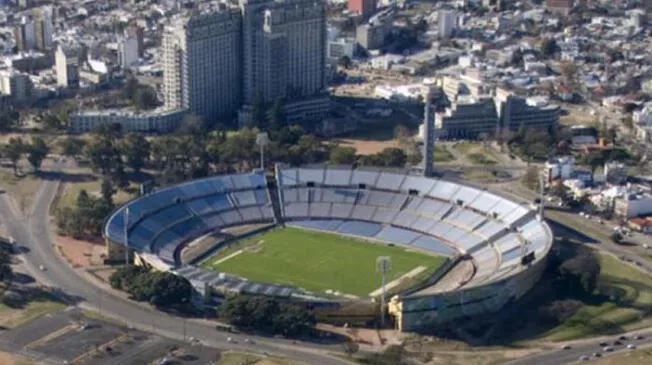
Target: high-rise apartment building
column 24, row 35
column 17, row 85
column 283, row 48
column 220, row 62
column 362, row 7
column 68, row 59
column 203, row 64
column 43, row 28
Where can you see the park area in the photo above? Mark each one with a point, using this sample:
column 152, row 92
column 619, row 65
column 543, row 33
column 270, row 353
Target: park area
column 317, row 261
column 626, row 294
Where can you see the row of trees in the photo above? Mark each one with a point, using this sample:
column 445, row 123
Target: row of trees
column 36, row 151
column 267, row 315
column 162, row 289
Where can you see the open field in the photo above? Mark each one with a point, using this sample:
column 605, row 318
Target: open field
column 316, row 261
column 477, row 153
column 22, row 189
column 10, row 317
column 93, row 188
column 442, row 154
column 630, row 309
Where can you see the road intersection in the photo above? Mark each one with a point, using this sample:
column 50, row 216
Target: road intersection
column 34, row 235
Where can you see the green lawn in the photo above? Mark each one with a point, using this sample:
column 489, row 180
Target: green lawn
column 628, row 312
column 69, row 197
column 318, row 261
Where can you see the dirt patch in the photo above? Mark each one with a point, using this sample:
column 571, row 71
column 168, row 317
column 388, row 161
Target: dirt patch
column 197, row 247
column 81, row 253
column 240, row 230
column 367, row 147
column 11, row 359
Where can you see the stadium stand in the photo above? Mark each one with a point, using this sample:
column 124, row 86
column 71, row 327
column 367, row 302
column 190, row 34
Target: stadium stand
column 427, row 214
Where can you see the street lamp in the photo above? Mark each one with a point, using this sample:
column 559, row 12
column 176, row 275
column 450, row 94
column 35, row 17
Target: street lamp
column 262, row 140
column 126, row 235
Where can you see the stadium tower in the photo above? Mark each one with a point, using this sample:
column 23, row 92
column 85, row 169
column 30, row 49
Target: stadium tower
column 428, row 136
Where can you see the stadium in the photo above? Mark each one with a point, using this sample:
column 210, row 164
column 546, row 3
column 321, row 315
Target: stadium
column 313, row 234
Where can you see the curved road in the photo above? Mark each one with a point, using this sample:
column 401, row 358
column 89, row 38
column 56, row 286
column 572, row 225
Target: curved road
column 33, row 232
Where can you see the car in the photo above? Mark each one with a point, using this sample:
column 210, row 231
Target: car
column 631, row 346
column 617, row 343
column 231, row 340
column 597, row 354
column 603, row 344
column 41, row 267
column 608, row 349
column 566, row 347
column 584, row 357
column 639, row 337
column 247, row 340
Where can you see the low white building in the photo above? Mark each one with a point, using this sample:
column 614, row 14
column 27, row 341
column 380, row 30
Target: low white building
column 560, row 168
column 153, row 121
column 633, row 205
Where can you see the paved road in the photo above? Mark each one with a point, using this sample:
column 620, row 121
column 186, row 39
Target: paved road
column 33, row 233
column 559, row 356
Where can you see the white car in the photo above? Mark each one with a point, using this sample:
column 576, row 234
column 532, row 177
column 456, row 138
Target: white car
column 584, row 357
column 41, row 267
column 231, row 340
column 631, row 346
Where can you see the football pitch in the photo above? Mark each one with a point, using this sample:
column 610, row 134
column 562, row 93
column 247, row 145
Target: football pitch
column 317, row 261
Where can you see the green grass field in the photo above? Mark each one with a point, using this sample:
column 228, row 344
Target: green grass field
column 631, row 311
column 317, row 261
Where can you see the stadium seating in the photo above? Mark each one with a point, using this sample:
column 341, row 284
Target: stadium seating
column 434, row 215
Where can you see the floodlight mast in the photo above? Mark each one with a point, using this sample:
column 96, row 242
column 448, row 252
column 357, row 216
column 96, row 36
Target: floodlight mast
column 262, row 140
column 383, row 266
column 126, row 235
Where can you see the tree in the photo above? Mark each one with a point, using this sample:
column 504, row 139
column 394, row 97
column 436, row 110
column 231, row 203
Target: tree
column 8, row 118
column 345, row 62
column 569, row 72
column 581, row 272
column 561, row 191
column 548, row 47
column 38, row 151
column 392, row 157
column 145, row 98
column 72, row 147
column 531, row 178
column 108, row 191
column 267, row 315
column 131, row 87
column 342, row 155
column 136, row 150
column 6, row 272
column 276, row 116
column 350, row 347
column 617, row 237
column 14, row 150
column 257, row 117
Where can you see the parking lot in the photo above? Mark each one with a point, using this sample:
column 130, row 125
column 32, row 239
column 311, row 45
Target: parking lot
column 73, row 338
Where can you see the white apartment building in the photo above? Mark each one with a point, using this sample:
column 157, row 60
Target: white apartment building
column 68, row 60
column 446, row 23
column 17, row 85
column 158, row 120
